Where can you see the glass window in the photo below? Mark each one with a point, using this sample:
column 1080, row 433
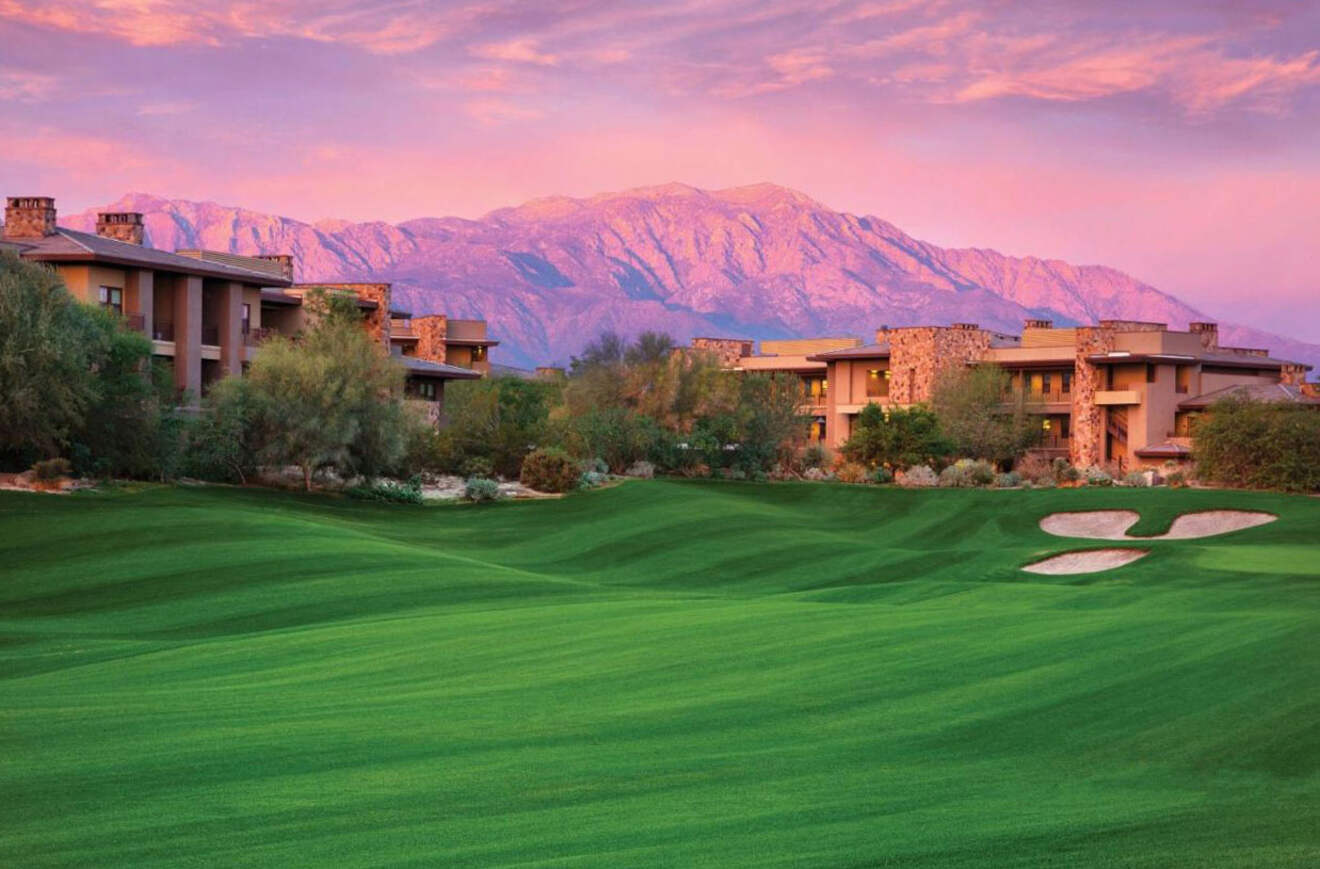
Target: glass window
column 247, row 318
column 877, row 383
column 478, row 354
column 1066, row 387
column 1045, row 383
column 113, row 298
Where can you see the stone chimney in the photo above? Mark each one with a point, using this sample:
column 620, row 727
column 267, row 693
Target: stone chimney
column 283, row 260
column 966, row 327
column 1294, row 373
column 1209, row 333
column 29, row 217
column 125, row 226
column 431, row 331
column 1032, row 323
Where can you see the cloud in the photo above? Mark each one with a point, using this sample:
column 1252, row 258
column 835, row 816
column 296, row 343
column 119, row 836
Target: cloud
column 521, row 50
column 177, row 107
column 25, row 87
column 497, row 111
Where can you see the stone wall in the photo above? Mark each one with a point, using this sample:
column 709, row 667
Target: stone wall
column 29, row 217
column 1208, row 333
column 431, row 333
column 727, row 350
column 917, row 354
column 1293, row 373
column 1088, row 418
column 377, row 320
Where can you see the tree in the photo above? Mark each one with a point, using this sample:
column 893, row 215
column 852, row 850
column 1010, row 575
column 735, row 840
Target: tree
column 226, row 443
column 896, row 438
column 328, row 399
column 500, row 419
column 981, row 415
column 48, row 344
column 1269, row 445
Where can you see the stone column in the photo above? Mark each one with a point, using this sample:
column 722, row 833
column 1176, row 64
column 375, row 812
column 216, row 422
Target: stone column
column 188, row 336
column 231, row 328
column 141, row 290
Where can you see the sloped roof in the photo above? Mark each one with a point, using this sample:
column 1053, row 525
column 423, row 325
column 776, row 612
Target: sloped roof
column 866, row 351
column 1274, row 392
column 68, row 245
column 1164, row 451
column 441, row 370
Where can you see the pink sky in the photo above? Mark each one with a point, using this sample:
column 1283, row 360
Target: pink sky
column 1177, row 143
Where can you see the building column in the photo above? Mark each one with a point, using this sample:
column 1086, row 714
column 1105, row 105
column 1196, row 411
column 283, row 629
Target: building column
column 141, row 289
column 188, row 337
column 231, row 328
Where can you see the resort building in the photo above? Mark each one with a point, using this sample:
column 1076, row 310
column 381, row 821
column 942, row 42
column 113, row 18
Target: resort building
column 207, row 312
column 1121, row 391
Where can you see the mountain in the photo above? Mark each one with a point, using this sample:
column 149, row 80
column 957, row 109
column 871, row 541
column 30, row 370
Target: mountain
column 758, row 262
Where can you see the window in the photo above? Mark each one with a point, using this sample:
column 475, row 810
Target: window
column 426, row 389
column 1151, row 372
column 1045, row 383
column 1066, row 387
column 1038, row 384
column 1065, row 426
column 479, row 353
column 247, row 318
column 1046, row 424
column 877, row 383
column 112, row 298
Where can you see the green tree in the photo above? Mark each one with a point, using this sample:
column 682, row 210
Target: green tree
column 225, row 443
column 500, row 419
column 1268, row 445
column 981, row 415
column 896, row 437
column 48, row 345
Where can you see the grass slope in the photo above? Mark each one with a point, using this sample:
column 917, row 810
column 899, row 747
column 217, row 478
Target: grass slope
column 663, row 673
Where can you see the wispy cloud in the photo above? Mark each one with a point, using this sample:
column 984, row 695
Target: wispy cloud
column 27, row 87
column 521, row 50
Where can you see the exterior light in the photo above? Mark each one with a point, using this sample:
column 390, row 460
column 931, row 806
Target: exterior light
column 1045, row 424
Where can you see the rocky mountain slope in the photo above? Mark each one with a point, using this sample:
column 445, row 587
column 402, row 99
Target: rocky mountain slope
column 760, row 261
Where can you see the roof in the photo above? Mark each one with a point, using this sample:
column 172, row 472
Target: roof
column 275, row 297
column 1274, row 392
column 1232, row 360
column 471, row 342
column 1163, row 451
column 68, row 245
column 440, row 370
column 866, row 351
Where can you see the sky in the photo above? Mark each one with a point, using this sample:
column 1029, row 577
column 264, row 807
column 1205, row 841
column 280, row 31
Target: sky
column 1177, row 141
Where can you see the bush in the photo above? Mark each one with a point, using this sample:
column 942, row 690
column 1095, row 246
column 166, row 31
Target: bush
column 817, row 475
column 1136, row 478
column 1097, row 477
column 477, row 466
column 481, row 489
column 388, row 491
column 851, row 472
column 917, row 476
column 882, row 475
column 1176, row 479
column 595, row 466
column 1065, row 472
column 1265, row 445
column 52, row 469
column 967, row 473
column 896, row 437
column 591, row 479
column 1010, row 480
column 643, row 470
column 549, row 469
column 815, row 456
column 1046, row 482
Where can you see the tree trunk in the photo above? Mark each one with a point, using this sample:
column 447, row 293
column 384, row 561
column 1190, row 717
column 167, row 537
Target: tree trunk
column 307, row 477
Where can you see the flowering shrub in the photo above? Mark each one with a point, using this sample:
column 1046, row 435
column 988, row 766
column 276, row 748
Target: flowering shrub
column 549, row 469
column 882, row 475
column 967, row 473
column 1010, row 480
column 917, row 476
column 850, row 472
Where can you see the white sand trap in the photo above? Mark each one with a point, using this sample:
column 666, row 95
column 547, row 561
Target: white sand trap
column 1088, row 561
column 1113, row 524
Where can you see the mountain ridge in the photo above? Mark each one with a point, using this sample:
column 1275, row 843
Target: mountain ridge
column 756, row 261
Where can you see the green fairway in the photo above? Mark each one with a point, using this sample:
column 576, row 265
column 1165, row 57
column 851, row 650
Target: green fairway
column 670, row 673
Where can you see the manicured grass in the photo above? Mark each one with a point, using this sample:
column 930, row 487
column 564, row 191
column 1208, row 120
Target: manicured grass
column 662, row 673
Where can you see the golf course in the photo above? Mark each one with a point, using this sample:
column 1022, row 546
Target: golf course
column 661, row 673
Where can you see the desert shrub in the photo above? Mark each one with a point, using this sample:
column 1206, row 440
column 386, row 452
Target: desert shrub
column 1135, row 478
column 549, row 469
column 591, row 479
column 817, row 475
column 815, row 456
column 388, row 491
column 52, row 469
column 967, row 473
column 1064, row 472
column 481, row 489
column 1097, row 477
column 477, row 466
column 882, row 475
column 917, row 476
column 851, row 472
column 1046, row 482
column 595, row 465
column 1176, row 479
column 1009, row 480
column 643, row 470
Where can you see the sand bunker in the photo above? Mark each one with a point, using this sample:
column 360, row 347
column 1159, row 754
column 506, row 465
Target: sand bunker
column 1086, row 561
column 1113, row 524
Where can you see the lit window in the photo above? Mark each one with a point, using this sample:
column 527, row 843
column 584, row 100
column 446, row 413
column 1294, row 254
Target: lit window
column 1046, row 424
column 112, row 298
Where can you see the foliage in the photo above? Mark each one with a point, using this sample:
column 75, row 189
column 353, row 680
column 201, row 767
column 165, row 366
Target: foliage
column 851, row 472
column 1064, row 472
column 897, row 437
column 52, row 469
column 917, row 476
column 481, row 489
column 1265, row 445
column 980, row 414
column 882, row 475
column 814, row 456
column 478, row 466
column 388, row 491
column 643, row 470
column 1097, row 477
column 225, row 442
column 1176, row 479
column 499, row 419
column 591, row 480
column 1136, row 478
column 618, row 436
column 549, row 469
column 1008, row 480
column 967, row 473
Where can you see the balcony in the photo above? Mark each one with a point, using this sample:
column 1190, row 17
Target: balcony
column 162, row 331
column 401, row 329
column 255, row 337
column 136, row 322
column 211, row 336
column 1117, row 396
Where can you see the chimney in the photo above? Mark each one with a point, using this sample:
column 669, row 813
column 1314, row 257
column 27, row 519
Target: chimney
column 1209, row 333
column 125, row 226
column 29, row 217
column 1038, row 324
column 966, row 327
column 283, row 260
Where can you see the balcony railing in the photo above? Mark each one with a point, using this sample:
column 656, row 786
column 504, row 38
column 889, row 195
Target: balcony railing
column 255, row 337
column 162, row 331
column 136, row 322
